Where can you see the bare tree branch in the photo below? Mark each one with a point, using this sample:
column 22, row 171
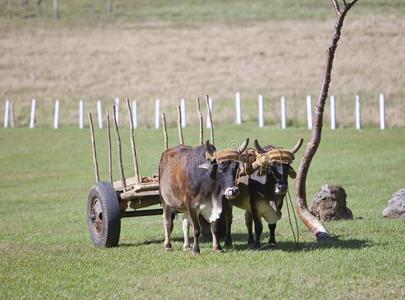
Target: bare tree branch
column 313, row 224
column 336, row 6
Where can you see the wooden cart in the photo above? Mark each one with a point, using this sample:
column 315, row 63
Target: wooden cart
column 110, row 201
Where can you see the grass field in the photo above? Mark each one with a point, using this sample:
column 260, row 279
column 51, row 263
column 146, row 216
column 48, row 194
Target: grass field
column 46, row 252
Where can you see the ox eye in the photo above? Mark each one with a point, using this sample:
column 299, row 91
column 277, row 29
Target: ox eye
column 223, row 167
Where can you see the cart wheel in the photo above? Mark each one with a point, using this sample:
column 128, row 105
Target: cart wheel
column 103, row 214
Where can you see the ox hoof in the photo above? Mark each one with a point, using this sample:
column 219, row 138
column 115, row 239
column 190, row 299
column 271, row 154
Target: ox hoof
column 186, row 248
column 272, row 246
column 195, row 252
column 218, row 250
column 228, row 246
column 168, row 248
column 254, row 246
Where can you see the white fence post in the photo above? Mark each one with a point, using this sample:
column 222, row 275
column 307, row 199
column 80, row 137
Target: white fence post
column 32, row 119
column 99, row 115
column 81, row 113
column 117, row 110
column 238, row 109
column 283, row 113
column 56, row 115
column 332, row 113
column 309, row 112
column 157, row 113
column 208, row 118
column 382, row 112
column 11, row 114
column 6, row 113
column 183, row 112
column 358, row 117
column 260, row 117
column 134, row 114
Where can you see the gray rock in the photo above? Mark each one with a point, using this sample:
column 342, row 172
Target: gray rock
column 330, row 204
column 396, row 206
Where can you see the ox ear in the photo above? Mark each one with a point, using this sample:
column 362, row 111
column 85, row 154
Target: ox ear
column 206, row 166
column 291, row 172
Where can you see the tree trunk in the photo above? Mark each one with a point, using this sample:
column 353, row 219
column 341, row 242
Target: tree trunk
column 312, row 223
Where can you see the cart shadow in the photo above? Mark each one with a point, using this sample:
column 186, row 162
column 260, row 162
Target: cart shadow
column 149, row 242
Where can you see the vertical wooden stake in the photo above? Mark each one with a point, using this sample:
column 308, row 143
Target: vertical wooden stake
column 117, row 110
column 109, row 147
column 382, row 112
column 81, row 113
column 332, row 113
column 358, row 115
column 201, row 121
column 56, row 9
column 117, row 131
column 208, row 101
column 99, row 115
column 56, row 115
column 157, row 113
column 109, row 6
column 181, row 138
column 93, row 144
column 183, row 112
column 260, row 116
column 133, row 145
column 134, row 114
column 309, row 112
column 166, row 140
column 32, row 119
column 238, row 109
column 283, row 113
column 6, row 113
column 12, row 114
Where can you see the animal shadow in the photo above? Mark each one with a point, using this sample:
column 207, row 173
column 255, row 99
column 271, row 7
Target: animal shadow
column 240, row 244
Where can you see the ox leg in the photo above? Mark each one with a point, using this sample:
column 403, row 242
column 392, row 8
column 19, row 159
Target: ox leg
column 249, row 224
column 272, row 239
column 196, row 229
column 186, row 231
column 258, row 231
column 228, row 223
column 250, row 218
column 216, row 247
column 255, row 217
column 168, row 217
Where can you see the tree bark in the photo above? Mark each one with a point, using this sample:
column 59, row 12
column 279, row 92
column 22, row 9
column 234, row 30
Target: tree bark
column 310, row 221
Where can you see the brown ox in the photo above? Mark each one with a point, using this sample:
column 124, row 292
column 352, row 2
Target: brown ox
column 193, row 181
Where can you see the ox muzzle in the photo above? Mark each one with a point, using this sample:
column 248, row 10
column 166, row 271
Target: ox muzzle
column 231, row 193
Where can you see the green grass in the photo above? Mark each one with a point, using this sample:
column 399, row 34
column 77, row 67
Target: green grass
column 46, row 250
column 192, row 10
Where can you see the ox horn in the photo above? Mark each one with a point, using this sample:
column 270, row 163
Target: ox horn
column 208, row 151
column 297, row 146
column 258, row 147
column 243, row 146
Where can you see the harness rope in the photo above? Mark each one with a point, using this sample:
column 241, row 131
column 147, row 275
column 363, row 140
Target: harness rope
column 296, row 239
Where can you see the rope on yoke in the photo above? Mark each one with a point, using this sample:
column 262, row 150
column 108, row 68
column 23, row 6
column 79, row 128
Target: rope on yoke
column 296, row 236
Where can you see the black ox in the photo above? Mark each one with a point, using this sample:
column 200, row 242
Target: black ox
column 261, row 193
